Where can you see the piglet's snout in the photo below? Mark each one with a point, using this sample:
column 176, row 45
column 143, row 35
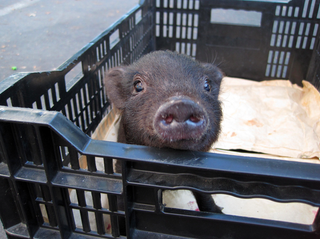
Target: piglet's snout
column 180, row 118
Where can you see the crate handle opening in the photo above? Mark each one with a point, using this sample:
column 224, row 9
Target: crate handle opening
column 236, row 17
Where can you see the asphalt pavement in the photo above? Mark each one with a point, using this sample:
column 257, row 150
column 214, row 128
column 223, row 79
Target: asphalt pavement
column 39, row 35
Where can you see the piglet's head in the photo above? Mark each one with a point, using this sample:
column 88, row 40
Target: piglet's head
column 167, row 100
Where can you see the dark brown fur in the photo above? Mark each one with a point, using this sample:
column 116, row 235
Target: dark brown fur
column 166, row 76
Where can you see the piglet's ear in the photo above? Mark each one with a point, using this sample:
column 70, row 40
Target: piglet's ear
column 115, row 87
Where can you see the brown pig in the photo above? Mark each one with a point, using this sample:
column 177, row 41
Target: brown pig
column 168, row 100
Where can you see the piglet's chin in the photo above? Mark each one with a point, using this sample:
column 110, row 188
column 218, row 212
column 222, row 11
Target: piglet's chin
column 177, row 131
column 185, row 144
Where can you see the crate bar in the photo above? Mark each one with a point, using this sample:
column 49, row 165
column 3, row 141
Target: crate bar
column 206, row 225
column 217, row 184
column 57, row 195
column 99, row 216
column 302, row 173
column 227, row 163
column 95, row 183
column 49, row 207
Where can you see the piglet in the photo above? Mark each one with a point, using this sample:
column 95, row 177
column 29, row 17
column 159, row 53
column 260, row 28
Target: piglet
column 168, row 100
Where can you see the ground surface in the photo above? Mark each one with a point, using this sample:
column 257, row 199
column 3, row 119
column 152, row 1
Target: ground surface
column 39, row 35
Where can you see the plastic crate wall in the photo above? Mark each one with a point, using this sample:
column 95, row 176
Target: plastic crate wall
column 76, row 87
column 276, row 44
column 36, row 156
column 40, row 150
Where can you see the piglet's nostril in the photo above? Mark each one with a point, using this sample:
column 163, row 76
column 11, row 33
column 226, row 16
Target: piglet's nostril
column 194, row 119
column 168, row 118
column 180, row 119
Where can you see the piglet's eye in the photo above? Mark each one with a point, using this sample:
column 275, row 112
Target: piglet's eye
column 207, row 86
column 138, row 86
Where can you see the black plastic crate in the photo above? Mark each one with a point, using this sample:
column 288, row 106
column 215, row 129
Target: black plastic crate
column 40, row 148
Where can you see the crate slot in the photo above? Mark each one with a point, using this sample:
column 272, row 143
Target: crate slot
column 171, row 15
column 290, row 11
column 56, row 87
column 183, row 48
column 87, row 92
column 51, row 103
column 34, row 105
column 284, row 11
column 285, row 40
column 279, row 40
column 304, row 44
column 65, row 112
column 77, row 217
column 313, row 40
column 43, row 102
column 287, row 28
column 179, row 4
column 194, row 50
column 312, row 8
column 73, row 76
column 92, row 220
column 102, row 51
column 301, row 28
column 315, row 29
column 298, row 42
column 78, row 107
column 177, row 47
column 97, row 54
column 196, row 20
column 165, row 3
column 44, row 212
column 195, row 33
column 114, row 38
column 296, row 12
column 293, row 28
column 275, row 26
column 165, row 31
column 48, row 214
column 196, row 4
column 9, row 102
column 105, row 47
column 305, row 8
column 4, row 170
column 138, row 16
column 185, row 4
